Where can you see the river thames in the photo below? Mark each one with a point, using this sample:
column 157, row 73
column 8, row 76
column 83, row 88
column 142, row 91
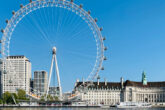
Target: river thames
column 78, row 109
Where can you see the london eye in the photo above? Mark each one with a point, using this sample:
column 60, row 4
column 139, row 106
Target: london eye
column 69, row 7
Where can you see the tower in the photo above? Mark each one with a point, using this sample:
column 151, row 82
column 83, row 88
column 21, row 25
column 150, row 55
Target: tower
column 144, row 79
column 54, row 60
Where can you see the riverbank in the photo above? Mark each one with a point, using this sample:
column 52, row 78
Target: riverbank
column 47, row 106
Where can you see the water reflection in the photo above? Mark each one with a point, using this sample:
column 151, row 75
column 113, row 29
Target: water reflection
column 44, row 108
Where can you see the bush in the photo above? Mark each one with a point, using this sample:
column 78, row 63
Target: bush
column 1, row 101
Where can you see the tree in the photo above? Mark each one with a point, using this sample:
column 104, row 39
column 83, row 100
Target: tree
column 49, row 97
column 56, row 98
column 21, row 94
column 15, row 97
column 42, row 98
column 8, row 99
column 1, row 101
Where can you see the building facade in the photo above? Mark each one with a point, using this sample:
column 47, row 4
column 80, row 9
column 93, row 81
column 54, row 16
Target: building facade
column 40, row 82
column 153, row 92
column 15, row 74
column 112, row 93
column 31, row 85
column 54, row 91
column 106, row 93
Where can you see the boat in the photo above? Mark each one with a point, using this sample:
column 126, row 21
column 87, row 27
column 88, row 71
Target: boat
column 105, row 106
column 133, row 105
column 79, row 104
column 26, row 104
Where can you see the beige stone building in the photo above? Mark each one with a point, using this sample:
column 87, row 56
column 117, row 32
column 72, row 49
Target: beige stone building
column 111, row 93
column 15, row 74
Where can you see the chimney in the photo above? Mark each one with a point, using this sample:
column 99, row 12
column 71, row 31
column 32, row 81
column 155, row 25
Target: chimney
column 77, row 81
column 105, row 81
column 122, row 82
column 98, row 78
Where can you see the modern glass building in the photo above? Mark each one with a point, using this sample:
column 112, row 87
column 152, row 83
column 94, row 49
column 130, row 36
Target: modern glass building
column 40, row 82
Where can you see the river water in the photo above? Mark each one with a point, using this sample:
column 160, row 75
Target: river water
column 78, row 109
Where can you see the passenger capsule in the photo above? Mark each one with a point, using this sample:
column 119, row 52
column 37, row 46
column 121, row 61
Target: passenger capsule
column 2, row 30
column 30, row 1
column 105, row 48
column 96, row 20
column 7, row 21
column 81, row 5
column 101, row 29
column 10, row 81
column 71, row 1
column 13, row 12
column 104, row 38
column 4, row 72
column 21, row 6
column 102, row 68
column 105, row 58
column 98, row 77
column 89, row 12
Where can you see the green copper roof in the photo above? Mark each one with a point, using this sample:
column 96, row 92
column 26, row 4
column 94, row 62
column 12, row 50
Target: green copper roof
column 144, row 79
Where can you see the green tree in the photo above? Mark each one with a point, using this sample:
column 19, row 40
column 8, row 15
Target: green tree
column 42, row 98
column 1, row 101
column 56, row 98
column 8, row 99
column 21, row 94
column 15, row 97
column 49, row 97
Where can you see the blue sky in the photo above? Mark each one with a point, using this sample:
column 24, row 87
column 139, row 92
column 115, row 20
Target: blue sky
column 134, row 30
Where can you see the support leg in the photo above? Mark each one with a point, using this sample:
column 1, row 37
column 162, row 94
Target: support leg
column 50, row 74
column 58, row 76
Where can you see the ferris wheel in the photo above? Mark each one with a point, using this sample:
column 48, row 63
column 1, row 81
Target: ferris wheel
column 63, row 4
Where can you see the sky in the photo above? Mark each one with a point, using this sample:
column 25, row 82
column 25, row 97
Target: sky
column 134, row 31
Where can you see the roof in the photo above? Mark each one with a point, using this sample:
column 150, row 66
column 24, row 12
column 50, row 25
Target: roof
column 102, row 85
column 140, row 84
column 18, row 56
column 15, row 56
column 40, row 71
column 127, row 83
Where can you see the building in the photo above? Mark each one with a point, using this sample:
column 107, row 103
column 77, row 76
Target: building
column 54, row 91
column 40, row 82
column 111, row 93
column 15, row 74
column 151, row 92
column 0, row 81
column 31, row 85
